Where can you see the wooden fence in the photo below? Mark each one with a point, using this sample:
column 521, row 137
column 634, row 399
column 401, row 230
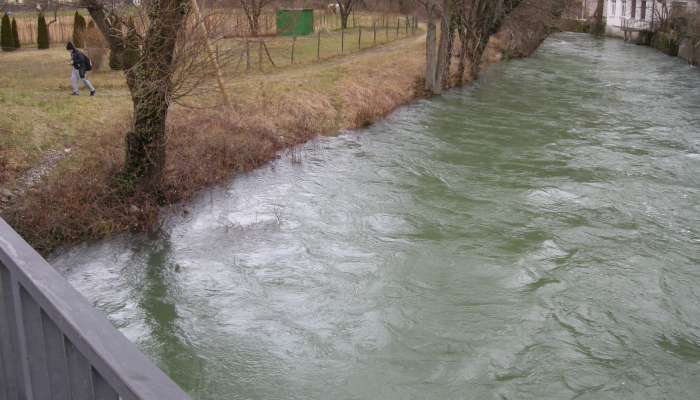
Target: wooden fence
column 60, row 30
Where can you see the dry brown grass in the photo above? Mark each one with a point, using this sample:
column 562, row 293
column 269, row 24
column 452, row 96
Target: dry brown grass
column 82, row 199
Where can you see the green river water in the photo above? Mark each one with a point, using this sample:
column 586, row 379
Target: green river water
column 533, row 236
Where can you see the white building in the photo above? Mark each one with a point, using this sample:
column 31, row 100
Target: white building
column 636, row 15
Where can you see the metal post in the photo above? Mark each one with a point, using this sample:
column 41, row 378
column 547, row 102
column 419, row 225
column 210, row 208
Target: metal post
column 374, row 28
column 294, row 42
column 247, row 55
column 318, row 47
column 342, row 40
column 359, row 39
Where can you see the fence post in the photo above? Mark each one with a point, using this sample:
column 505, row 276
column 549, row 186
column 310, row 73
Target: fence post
column 247, row 55
column 342, row 40
column 359, row 39
column 318, row 47
column 398, row 26
column 407, row 23
column 374, row 28
column 294, row 42
column 260, row 56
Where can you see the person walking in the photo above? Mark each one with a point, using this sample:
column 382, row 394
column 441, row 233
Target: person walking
column 81, row 64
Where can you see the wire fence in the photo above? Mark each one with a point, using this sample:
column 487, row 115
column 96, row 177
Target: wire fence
column 266, row 53
column 228, row 23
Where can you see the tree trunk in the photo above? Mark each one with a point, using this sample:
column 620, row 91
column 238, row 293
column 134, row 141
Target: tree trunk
column 145, row 144
column 149, row 83
column 430, row 55
column 344, row 17
column 454, row 20
column 442, row 65
column 598, row 26
column 463, row 42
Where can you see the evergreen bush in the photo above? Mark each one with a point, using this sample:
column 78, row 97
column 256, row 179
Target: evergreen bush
column 78, row 30
column 42, row 33
column 7, row 42
column 15, row 34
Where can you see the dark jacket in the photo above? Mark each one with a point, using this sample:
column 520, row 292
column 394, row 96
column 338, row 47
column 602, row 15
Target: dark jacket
column 79, row 60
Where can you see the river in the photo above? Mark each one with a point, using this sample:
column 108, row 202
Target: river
column 533, row 236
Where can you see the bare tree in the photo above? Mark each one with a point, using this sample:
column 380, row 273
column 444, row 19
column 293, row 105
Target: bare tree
column 473, row 20
column 345, row 7
column 166, row 59
column 253, row 9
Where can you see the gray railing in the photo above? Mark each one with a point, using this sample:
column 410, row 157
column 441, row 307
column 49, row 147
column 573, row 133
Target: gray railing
column 635, row 25
column 55, row 346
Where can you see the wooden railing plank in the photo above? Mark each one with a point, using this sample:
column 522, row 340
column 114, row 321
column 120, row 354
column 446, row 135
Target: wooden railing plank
column 37, row 362
column 8, row 338
column 27, row 391
column 92, row 338
column 102, row 389
column 79, row 374
column 56, row 360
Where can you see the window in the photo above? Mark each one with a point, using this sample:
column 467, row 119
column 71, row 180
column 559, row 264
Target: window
column 613, row 7
column 633, row 11
column 624, row 8
column 643, row 13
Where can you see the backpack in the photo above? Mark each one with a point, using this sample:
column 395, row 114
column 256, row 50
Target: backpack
column 88, row 63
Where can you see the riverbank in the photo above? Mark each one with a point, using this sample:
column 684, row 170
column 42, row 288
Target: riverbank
column 69, row 195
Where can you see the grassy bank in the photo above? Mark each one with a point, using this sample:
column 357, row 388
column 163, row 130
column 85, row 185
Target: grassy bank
column 60, row 153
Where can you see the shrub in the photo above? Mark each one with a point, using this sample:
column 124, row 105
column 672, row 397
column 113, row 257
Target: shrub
column 15, row 34
column 7, row 42
column 42, row 33
column 78, row 29
column 95, row 45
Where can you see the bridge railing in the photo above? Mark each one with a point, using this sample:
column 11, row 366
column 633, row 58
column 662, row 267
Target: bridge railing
column 55, row 346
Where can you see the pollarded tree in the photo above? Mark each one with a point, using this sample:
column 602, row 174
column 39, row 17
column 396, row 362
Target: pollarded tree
column 149, row 81
column 79, row 27
column 15, row 34
column 7, row 42
column 42, row 33
column 165, row 59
